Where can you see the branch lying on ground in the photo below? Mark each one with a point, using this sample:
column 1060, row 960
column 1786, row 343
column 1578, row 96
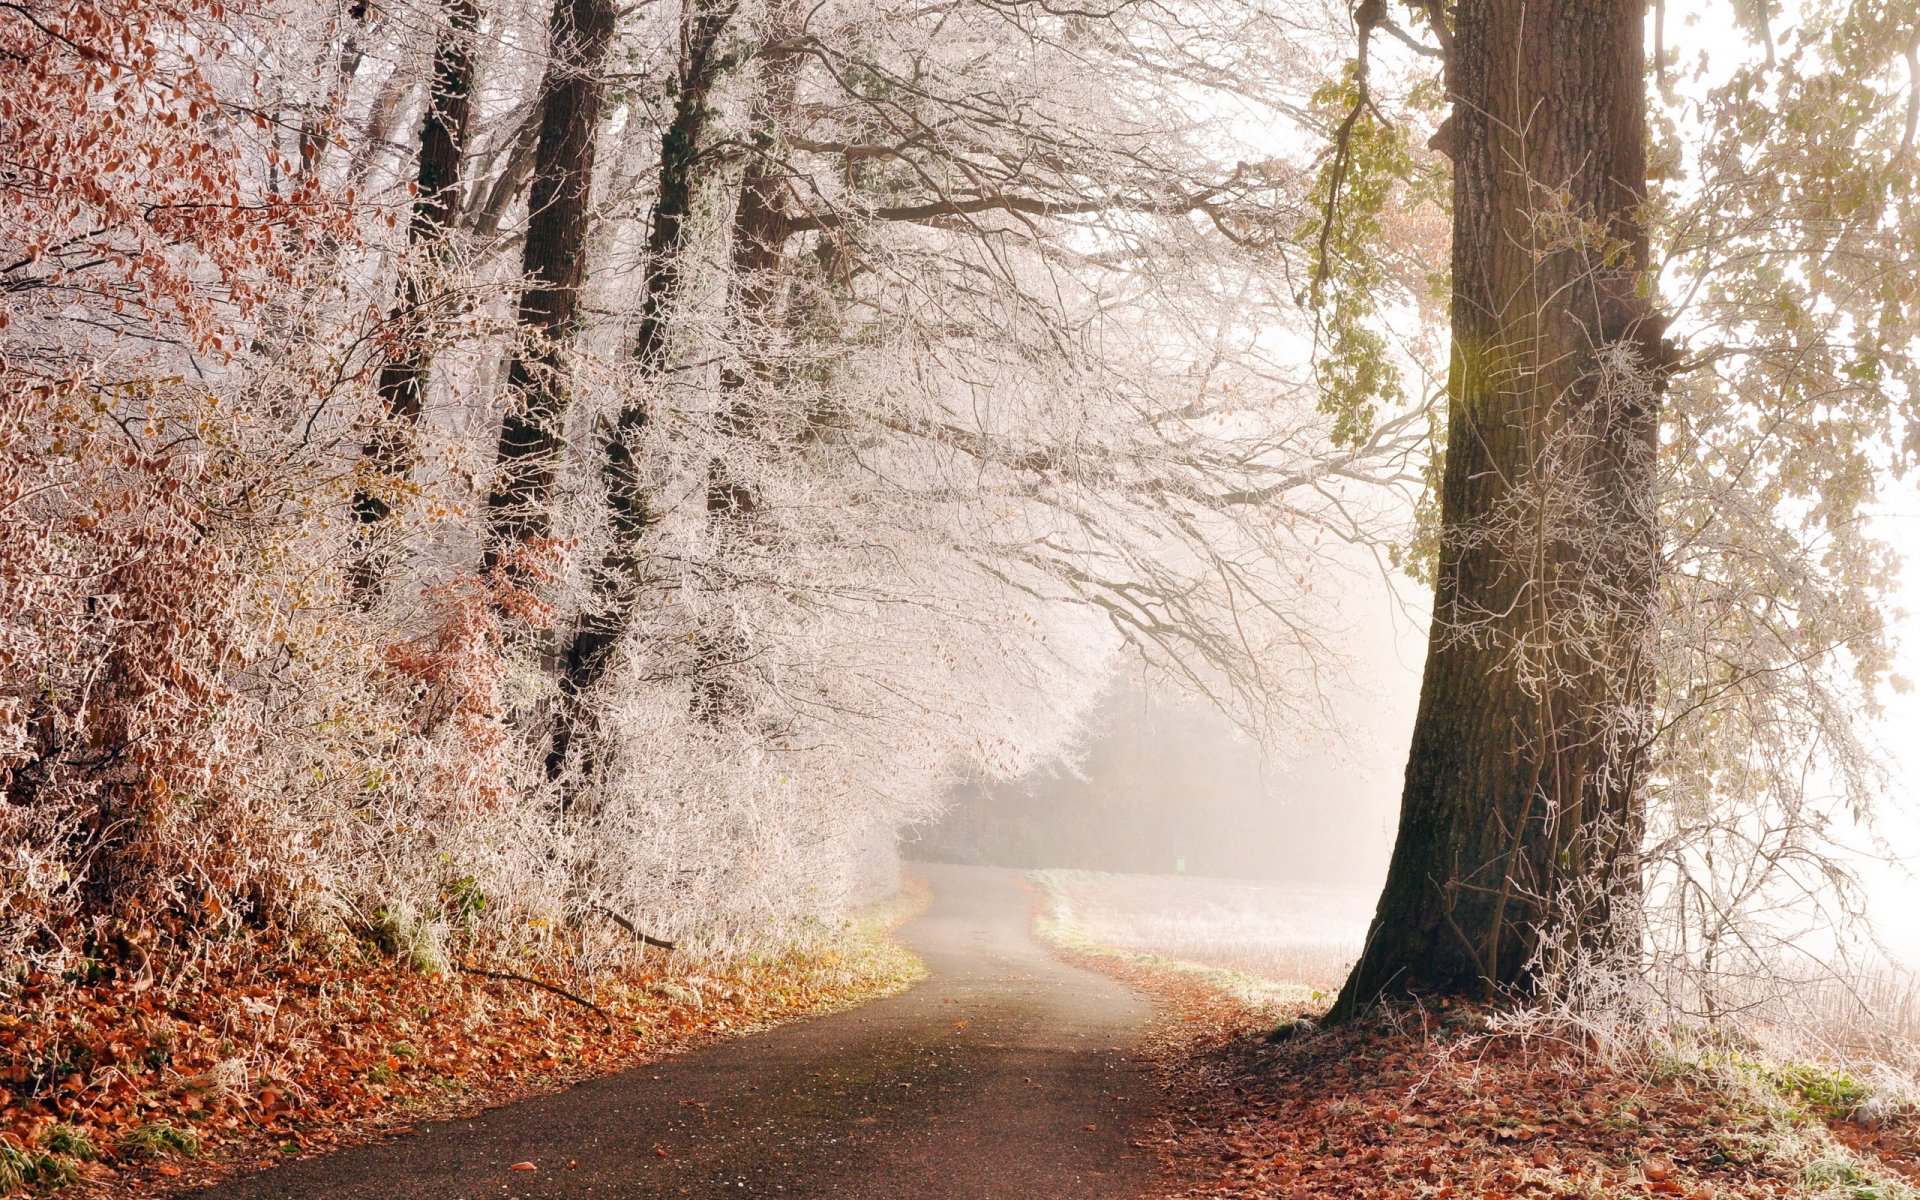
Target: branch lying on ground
column 645, row 939
column 539, row 983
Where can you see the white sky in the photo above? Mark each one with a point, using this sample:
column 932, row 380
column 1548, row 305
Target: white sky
column 1895, row 902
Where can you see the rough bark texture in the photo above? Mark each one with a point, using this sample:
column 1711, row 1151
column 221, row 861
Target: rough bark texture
column 617, row 583
column 1520, row 807
column 389, row 455
column 554, row 261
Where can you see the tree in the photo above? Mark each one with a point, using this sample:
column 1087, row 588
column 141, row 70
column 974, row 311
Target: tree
column 554, row 260
column 616, row 587
column 445, row 131
column 1522, row 801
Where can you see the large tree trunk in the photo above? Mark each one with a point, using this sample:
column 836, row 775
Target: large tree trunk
column 554, row 261
column 617, row 582
column 389, row 455
column 1520, row 814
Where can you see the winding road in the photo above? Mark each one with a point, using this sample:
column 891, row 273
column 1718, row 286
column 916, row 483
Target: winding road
column 1003, row 1076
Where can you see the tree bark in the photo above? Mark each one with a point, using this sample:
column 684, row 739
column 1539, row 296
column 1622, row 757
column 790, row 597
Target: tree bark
column 1520, row 817
column 554, row 261
column 762, row 226
column 617, row 582
column 390, row 454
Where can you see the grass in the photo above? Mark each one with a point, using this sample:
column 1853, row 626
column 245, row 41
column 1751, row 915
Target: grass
column 63, row 1150
column 1279, row 932
column 23, row 1168
column 856, row 961
column 70, row 1142
column 1844, row 1178
column 160, row 1139
column 1270, row 945
column 1069, row 920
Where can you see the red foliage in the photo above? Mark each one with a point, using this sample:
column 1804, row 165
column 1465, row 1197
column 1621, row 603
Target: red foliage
column 130, row 185
column 117, row 739
column 457, row 669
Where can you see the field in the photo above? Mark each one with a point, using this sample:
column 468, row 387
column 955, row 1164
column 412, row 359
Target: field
column 1280, row 932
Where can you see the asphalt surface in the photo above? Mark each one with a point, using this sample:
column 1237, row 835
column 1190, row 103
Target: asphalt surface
column 1004, row 1075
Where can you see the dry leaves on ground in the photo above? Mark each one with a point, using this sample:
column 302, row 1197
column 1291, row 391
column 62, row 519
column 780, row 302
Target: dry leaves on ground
column 125, row 1088
column 1430, row 1106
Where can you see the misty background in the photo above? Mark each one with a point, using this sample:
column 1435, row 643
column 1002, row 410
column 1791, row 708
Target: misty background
column 1158, row 784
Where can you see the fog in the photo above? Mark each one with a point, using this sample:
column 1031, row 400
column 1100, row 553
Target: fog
column 1160, row 784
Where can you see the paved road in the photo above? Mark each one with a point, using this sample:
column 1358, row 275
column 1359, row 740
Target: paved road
column 1002, row 1077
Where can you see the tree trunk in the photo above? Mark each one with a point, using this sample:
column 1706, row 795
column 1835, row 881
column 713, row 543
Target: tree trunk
column 762, row 226
column 616, row 584
column 1520, row 816
column 554, row 261
column 390, row 453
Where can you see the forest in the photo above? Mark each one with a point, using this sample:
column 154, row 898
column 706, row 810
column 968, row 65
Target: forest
column 509, row 510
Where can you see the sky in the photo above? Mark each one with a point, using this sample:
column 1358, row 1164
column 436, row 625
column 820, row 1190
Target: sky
column 1894, row 900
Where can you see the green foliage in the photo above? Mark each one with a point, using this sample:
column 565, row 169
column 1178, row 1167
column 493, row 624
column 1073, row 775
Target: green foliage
column 1419, row 554
column 1830, row 1093
column 22, row 1168
column 464, row 899
column 1368, row 279
column 1354, row 361
column 159, row 1139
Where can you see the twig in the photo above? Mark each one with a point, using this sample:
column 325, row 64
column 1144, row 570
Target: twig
column 543, row 985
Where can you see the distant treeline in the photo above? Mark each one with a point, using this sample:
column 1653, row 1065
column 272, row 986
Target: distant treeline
column 1158, row 787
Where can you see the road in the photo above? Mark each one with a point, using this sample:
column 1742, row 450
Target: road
column 1003, row 1076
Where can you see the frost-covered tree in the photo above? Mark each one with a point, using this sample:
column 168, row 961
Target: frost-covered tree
column 616, row 463
column 1720, row 728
